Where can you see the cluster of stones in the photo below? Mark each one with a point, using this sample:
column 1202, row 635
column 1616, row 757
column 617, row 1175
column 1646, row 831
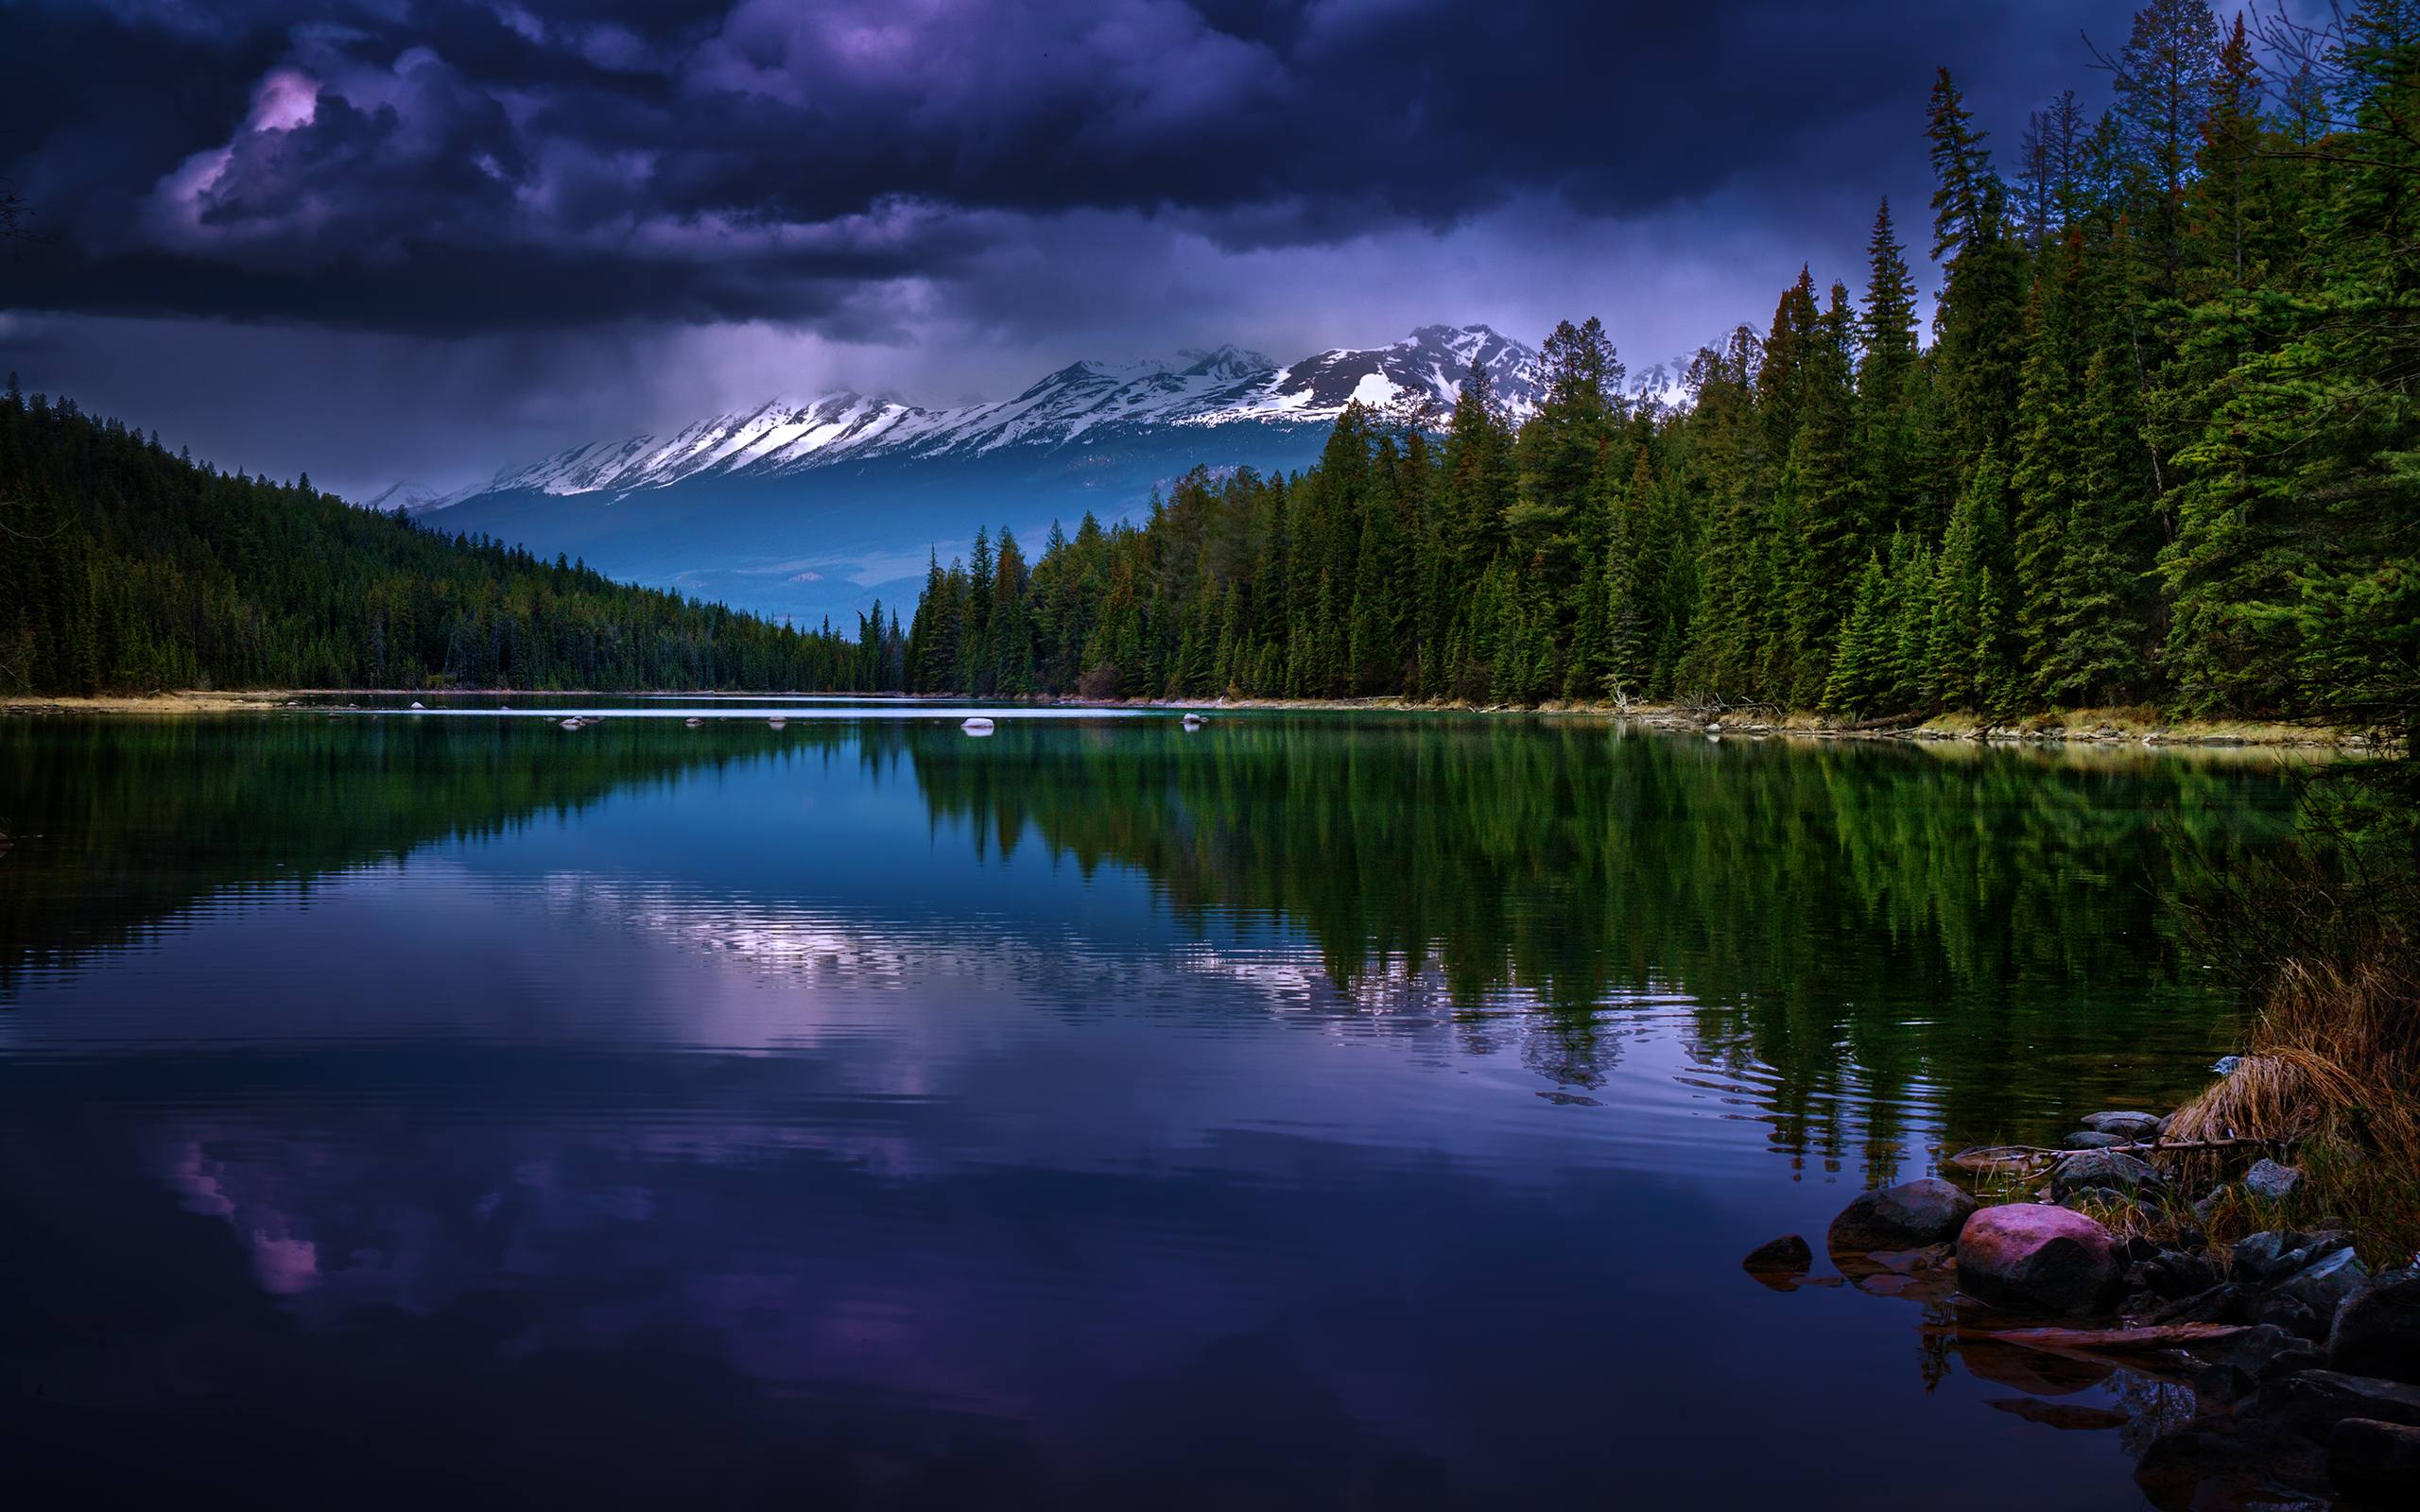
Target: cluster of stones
column 2305, row 1366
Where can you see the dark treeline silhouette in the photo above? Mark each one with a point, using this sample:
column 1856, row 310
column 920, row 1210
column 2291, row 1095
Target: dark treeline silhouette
column 2157, row 449
column 125, row 567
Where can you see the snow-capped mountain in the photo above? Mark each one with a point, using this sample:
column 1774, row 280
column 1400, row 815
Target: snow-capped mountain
column 1414, row 380
column 818, row 504
column 413, row 498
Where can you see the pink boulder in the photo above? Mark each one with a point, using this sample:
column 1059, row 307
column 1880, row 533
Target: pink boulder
column 2029, row 1258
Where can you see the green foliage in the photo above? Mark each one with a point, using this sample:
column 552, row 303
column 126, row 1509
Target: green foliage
column 125, row 568
column 2162, row 446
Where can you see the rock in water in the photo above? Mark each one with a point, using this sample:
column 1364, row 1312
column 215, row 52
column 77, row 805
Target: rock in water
column 2029, row 1258
column 2089, row 1141
column 2269, row 1179
column 2128, row 1124
column 2101, row 1168
column 1786, row 1257
column 2377, row 1332
column 1907, row 1216
column 2374, row 1460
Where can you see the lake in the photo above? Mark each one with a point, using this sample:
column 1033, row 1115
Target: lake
column 1302, row 1112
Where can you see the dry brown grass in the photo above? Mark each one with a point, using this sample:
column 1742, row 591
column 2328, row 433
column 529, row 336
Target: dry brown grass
column 2333, row 1069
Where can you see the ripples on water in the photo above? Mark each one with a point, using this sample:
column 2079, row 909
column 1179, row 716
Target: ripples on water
column 1297, row 1112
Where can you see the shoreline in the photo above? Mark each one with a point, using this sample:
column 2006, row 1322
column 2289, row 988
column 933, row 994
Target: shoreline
column 2076, row 726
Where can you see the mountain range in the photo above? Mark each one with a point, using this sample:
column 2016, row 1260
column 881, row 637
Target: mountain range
column 812, row 504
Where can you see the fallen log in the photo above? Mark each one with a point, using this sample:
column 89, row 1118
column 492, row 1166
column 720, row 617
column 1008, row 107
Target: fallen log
column 1989, row 1157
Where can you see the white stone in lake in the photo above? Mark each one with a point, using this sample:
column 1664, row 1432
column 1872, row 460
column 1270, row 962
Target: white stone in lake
column 416, row 704
column 1193, row 721
column 777, row 721
column 571, row 724
column 692, row 721
column 976, row 726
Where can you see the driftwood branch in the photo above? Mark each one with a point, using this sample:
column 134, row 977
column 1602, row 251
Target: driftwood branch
column 1993, row 1154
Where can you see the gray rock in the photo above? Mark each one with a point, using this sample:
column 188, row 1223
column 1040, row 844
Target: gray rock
column 2222, row 1303
column 2377, row 1461
column 2294, row 1317
column 2313, row 1402
column 2377, row 1331
column 2329, row 1282
column 2174, row 1273
column 2263, row 1353
column 2269, row 1180
column 2027, row 1257
column 2264, row 1256
column 2083, row 1198
column 2131, row 1126
column 2089, row 1141
column 2101, row 1168
column 2225, row 1065
column 2206, row 1206
column 1907, row 1216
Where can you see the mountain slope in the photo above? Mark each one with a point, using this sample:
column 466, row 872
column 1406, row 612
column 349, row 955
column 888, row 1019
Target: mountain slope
column 807, row 505
column 123, row 567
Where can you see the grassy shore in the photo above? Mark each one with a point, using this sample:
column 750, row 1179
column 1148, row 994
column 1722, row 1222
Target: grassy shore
column 2137, row 726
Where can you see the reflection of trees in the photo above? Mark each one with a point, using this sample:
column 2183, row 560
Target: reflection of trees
column 1863, row 931
column 1864, row 940
column 121, row 825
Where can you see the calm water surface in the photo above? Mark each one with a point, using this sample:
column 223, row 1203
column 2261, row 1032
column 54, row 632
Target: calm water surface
column 1301, row 1112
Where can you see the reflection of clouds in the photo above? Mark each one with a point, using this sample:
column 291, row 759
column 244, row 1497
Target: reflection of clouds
column 284, row 1263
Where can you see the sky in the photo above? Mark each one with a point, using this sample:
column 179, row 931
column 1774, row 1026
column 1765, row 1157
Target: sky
column 383, row 240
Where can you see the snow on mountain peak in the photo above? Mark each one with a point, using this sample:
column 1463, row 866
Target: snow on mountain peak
column 1413, row 381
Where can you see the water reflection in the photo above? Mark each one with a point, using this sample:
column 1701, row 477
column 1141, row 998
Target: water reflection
column 1297, row 1112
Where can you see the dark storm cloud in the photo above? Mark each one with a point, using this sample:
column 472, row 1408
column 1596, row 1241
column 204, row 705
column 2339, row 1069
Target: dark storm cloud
column 454, row 167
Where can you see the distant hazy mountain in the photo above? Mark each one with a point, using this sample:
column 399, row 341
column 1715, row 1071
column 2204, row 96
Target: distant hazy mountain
column 809, row 505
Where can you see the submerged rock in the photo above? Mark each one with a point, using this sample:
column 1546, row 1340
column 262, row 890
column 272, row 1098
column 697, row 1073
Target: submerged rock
column 2377, row 1332
column 1907, row 1216
column 1785, row 1259
column 1994, row 1160
column 2376, row 1460
column 2102, row 1168
column 2027, row 1257
column 2068, row 1415
column 2311, row 1403
column 2269, row 1179
column 2131, row 1126
column 2218, row 1464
